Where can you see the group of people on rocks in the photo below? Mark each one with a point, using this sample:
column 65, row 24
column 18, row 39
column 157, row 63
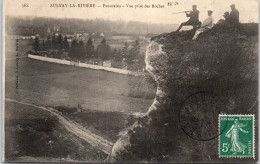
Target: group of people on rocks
column 208, row 23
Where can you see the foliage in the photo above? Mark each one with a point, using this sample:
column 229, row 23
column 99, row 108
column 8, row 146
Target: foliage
column 53, row 42
column 125, row 50
column 135, row 50
column 59, row 41
column 65, row 43
column 36, row 44
column 90, row 50
column 118, row 55
column 73, row 50
column 81, row 51
column 58, row 46
column 103, row 50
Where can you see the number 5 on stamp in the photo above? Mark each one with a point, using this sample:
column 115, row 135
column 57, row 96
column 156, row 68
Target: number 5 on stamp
column 237, row 138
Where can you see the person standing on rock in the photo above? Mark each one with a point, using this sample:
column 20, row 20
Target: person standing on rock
column 194, row 18
column 234, row 15
column 206, row 25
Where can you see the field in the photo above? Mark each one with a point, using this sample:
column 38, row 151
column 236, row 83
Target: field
column 102, row 95
column 51, row 84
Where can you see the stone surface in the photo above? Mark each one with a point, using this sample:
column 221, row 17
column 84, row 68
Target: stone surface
column 222, row 61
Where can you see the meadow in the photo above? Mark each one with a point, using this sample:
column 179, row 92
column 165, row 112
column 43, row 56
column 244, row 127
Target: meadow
column 103, row 95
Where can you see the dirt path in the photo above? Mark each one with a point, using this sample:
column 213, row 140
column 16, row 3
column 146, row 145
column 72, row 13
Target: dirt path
column 75, row 128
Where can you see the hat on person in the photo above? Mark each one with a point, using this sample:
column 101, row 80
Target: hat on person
column 233, row 5
column 194, row 5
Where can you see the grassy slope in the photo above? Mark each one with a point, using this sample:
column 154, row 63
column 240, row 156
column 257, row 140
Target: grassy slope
column 52, row 84
column 31, row 133
column 106, row 124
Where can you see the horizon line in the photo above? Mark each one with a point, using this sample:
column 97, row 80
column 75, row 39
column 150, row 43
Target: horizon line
column 117, row 20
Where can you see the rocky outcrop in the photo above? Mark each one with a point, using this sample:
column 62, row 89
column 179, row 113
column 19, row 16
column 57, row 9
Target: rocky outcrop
column 222, row 61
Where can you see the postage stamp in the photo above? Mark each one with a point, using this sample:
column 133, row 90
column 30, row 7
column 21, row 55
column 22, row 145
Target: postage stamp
column 238, row 137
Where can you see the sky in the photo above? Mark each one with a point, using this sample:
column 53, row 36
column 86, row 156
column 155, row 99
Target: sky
column 248, row 9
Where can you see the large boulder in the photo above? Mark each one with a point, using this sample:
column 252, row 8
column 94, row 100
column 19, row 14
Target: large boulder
column 221, row 62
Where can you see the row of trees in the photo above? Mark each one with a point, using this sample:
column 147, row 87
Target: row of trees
column 52, row 43
column 78, row 50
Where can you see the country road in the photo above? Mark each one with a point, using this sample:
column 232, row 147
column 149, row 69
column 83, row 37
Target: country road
column 75, row 128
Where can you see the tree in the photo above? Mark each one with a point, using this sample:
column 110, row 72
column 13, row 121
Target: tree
column 141, row 58
column 130, row 56
column 65, row 43
column 73, row 51
column 53, row 42
column 133, row 53
column 81, row 51
column 118, row 55
column 103, row 50
column 43, row 45
column 36, row 44
column 113, row 55
column 125, row 50
column 59, row 41
column 136, row 49
column 48, row 42
column 90, row 50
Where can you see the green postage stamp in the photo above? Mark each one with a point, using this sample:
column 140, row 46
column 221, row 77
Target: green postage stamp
column 237, row 136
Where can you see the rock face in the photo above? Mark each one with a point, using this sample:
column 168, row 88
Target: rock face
column 222, row 61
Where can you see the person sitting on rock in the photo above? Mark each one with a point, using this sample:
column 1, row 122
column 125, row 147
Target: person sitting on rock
column 194, row 18
column 226, row 17
column 225, row 20
column 206, row 25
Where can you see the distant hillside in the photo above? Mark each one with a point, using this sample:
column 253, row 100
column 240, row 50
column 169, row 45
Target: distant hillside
column 31, row 25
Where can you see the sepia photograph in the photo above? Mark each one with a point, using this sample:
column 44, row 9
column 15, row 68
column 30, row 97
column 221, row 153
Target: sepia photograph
column 140, row 81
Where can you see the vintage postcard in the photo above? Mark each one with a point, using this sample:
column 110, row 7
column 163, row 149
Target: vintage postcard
column 100, row 81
